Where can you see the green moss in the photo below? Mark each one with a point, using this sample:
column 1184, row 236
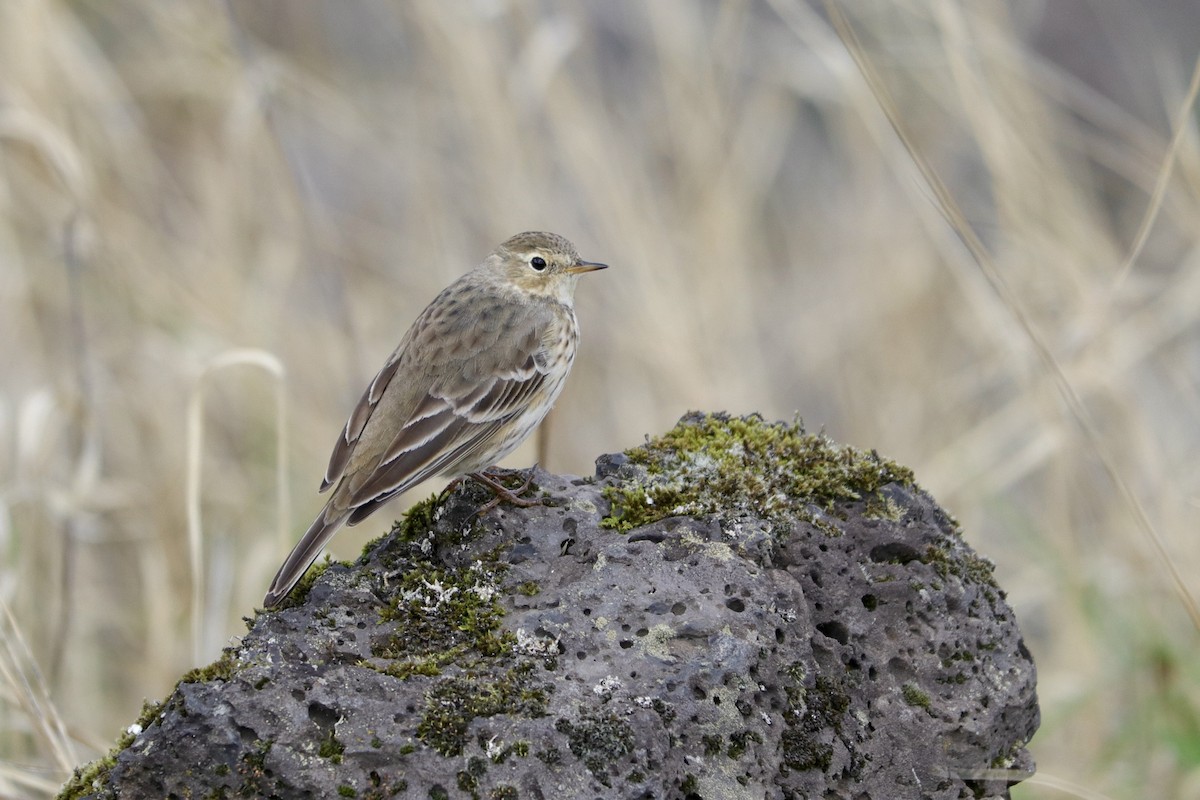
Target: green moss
column 716, row 464
column 914, row 696
column 713, row 744
column 957, row 656
column 404, row 669
column 92, row 776
column 664, row 710
column 443, row 614
column 529, row 588
column 738, row 742
column 599, row 741
column 551, row 756
column 253, row 771
column 796, row 672
column 418, row 520
column 299, row 594
column 346, row 791
column 884, row 508
column 384, row 790
column 812, row 711
column 466, row 781
column 453, row 702
column 222, row 669
column 1009, row 758
column 951, row 661
column 500, row 755
column 331, row 748
column 966, row 566
column 504, row 792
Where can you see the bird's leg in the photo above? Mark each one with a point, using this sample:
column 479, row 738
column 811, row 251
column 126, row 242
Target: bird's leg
column 448, row 488
column 501, row 492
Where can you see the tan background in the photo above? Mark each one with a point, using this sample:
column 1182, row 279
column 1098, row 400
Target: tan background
column 179, row 182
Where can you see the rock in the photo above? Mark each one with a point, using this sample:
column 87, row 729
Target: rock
column 734, row 610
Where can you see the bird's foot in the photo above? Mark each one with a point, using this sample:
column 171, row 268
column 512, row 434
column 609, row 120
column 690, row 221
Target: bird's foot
column 500, row 492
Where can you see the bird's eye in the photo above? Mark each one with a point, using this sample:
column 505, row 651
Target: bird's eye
column 538, row 263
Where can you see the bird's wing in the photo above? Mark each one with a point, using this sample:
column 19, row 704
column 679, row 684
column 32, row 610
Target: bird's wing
column 483, row 371
column 353, row 429
column 459, row 418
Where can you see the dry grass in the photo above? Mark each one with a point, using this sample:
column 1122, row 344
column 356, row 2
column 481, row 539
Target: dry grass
column 1005, row 297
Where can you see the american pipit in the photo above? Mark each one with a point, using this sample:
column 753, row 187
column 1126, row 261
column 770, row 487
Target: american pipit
column 471, row 379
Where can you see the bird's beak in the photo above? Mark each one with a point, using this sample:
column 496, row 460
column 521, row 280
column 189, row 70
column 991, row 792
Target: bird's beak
column 585, row 266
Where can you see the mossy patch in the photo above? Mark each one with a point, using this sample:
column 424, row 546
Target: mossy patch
column 740, row 741
column 418, row 521
column 914, row 696
column 738, row 466
column 812, row 713
column 442, row 613
column 966, row 566
column 445, row 614
column 252, row 769
column 299, row 592
column 222, row 669
column 453, row 702
column 600, row 741
column 331, row 749
column 91, row 777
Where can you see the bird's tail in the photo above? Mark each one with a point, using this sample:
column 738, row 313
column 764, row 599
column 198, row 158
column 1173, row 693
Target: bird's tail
column 303, row 554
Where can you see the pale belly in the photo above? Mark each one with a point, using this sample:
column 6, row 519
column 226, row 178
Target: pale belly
column 535, row 412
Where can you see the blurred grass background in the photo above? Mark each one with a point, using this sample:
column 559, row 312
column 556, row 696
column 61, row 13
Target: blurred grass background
column 284, row 185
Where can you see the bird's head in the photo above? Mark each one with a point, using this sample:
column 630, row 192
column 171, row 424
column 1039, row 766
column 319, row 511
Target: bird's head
column 541, row 264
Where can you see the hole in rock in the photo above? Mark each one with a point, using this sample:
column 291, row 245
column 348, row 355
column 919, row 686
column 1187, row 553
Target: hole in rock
column 835, row 630
column 893, row 553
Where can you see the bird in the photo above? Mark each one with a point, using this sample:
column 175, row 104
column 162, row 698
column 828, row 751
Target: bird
column 472, row 378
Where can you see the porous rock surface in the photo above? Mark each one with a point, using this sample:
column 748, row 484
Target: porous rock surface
column 824, row 648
